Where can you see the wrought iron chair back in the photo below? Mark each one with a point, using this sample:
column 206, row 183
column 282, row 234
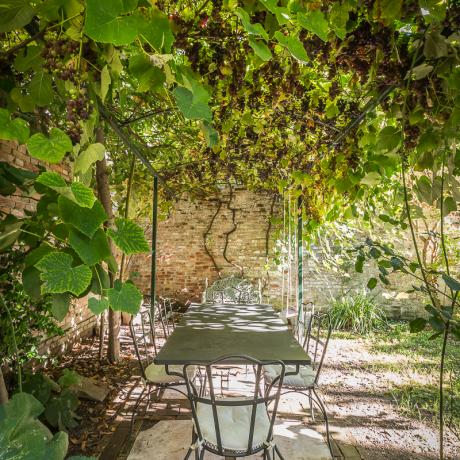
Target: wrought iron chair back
column 232, row 289
column 196, row 396
column 166, row 313
column 143, row 336
column 144, row 333
column 303, row 326
column 317, row 340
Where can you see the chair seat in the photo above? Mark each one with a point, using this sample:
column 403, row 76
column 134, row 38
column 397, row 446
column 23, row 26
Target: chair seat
column 304, row 379
column 156, row 373
column 234, row 425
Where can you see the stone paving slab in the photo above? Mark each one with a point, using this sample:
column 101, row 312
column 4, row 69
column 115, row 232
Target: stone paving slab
column 170, row 439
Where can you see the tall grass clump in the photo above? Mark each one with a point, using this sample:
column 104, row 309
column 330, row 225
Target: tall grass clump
column 357, row 312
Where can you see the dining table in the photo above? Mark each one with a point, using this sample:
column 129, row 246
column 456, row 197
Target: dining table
column 210, row 331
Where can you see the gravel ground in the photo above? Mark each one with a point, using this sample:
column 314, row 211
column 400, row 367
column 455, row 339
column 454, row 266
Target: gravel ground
column 360, row 406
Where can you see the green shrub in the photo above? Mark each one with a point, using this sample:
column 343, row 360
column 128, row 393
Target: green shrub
column 356, row 312
column 24, row 321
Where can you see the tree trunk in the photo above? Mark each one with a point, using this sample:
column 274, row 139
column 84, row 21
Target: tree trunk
column 3, row 390
column 126, row 317
column 102, row 180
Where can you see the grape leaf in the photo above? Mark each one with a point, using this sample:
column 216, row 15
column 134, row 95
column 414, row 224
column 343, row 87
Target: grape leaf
column 31, row 282
column 29, row 58
column 105, row 82
column 148, row 76
column 129, row 237
column 12, row 130
column 94, row 152
column 125, row 297
column 251, row 29
column 260, row 48
column 155, row 30
column 389, row 138
column 338, row 18
column 388, row 10
column 315, row 22
column 15, row 14
column 210, row 134
column 77, row 192
column 100, row 281
column 109, row 21
column 60, row 305
column 98, row 306
column 87, row 220
column 41, row 89
column 60, row 410
column 293, row 44
column 90, row 250
column 59, row 276
column 51, row 149
column 189, row 106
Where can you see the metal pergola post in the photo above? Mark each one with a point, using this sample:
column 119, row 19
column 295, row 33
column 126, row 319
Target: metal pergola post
column 154, row 246
column 299, row 257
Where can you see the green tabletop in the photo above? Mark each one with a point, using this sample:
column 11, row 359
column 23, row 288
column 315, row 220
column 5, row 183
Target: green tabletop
column 209, row 331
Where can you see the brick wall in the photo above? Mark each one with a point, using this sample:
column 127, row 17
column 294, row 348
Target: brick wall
column 183, row 265
column 80, row 322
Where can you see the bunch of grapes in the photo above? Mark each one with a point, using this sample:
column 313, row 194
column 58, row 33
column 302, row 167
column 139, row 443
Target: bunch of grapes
column 56, row 53
column 78, row 108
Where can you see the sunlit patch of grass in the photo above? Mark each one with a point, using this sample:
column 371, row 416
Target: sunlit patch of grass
column 417, row 395
column 421, row 401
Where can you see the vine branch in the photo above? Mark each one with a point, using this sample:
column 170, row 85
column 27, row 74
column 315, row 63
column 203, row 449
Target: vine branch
column 205, row 236
column 232, row 230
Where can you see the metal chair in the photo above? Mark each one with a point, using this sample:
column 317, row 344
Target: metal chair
column 302, row 327
column 154, row 376
column 234, row 426
column 232, row 289
column 166, row 305
column 315, row 340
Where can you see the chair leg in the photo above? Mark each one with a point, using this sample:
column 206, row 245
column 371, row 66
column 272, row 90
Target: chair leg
column 326, row 420
column 136, row 406
column 278, row 452
column 189, row 452
column 312, row 412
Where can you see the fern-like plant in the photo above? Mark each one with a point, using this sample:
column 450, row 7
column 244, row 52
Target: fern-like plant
column 357, row 312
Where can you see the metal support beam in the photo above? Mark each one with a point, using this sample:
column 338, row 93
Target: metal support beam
column 153, row 273
column 299, row 257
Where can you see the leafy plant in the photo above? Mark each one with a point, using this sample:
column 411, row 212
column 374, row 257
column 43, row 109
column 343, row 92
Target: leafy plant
column 24, row 322
column 357, row 312
column 23, row 436
column 68, row 245
column 59, row 400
